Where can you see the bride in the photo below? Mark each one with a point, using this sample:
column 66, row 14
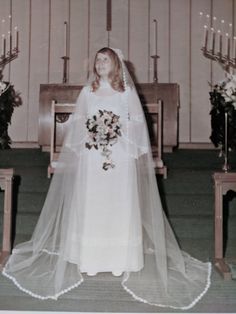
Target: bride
column 103, row 212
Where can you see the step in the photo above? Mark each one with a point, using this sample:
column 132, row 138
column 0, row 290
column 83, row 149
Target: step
column 23, row 157
column 200, row 227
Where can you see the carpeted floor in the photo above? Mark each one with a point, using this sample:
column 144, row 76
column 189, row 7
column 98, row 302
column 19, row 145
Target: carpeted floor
column 187, row 196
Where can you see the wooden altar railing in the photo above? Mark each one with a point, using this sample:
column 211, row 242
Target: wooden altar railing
column 6, row 177
column 148, row 93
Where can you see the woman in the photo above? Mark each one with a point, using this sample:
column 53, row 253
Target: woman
column 103, row 211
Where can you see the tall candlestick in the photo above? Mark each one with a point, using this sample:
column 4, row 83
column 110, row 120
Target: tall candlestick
column 155, row 37
column 65, row 39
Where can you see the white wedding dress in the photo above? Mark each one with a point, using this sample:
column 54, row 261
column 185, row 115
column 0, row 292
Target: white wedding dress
column 111, row 204
column 98, row 219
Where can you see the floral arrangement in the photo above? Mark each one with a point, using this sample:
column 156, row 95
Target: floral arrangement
column 223, row 99
column 9, row 99
column 104, row 129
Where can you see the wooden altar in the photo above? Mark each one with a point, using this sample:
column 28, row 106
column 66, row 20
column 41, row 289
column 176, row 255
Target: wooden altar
column 148, row 92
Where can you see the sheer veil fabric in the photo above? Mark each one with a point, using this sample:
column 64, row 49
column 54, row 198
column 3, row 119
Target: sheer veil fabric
column 98, row 219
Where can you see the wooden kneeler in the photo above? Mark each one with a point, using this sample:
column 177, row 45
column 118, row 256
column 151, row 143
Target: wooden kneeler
column 6, row 177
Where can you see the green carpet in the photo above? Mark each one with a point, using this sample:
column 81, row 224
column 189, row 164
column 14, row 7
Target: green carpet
column 188, row 200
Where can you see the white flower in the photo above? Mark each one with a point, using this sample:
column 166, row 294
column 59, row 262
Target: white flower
column 2, row 86
column 103, row 131
column 227, row 88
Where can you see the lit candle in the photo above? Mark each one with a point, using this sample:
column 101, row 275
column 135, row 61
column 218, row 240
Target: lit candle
column 155, row 37
column 222, row 26
column 200, row 17
column 212, row 40
column 220, row 43
column 3, row 25
column 214, row 22
column 226, row 44
column 16, row 38
column 230, row 31
column 234, row 49
column 208, row 20
column 205, row 36
column 10, row 42
column 3, row 46
column 228, row 48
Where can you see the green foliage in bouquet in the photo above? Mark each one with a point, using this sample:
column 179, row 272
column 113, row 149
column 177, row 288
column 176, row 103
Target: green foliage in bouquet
column 9, row 99
column 223, row 99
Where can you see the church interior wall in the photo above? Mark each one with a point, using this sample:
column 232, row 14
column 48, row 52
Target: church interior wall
column 180, row 37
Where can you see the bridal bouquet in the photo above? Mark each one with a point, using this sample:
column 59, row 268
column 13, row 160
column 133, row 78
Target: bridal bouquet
column 104, row 130
column 223, row 99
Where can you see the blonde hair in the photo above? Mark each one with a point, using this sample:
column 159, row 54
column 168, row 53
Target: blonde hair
column 115, row 76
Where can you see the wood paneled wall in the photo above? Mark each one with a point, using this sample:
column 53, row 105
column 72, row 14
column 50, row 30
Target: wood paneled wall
column 41, row 26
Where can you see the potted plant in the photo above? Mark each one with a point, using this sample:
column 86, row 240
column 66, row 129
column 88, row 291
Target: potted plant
column 9, row 99
column 223, row 100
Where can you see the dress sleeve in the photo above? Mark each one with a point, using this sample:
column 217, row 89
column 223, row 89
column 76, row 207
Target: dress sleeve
column 75, row 138
column 135, row 133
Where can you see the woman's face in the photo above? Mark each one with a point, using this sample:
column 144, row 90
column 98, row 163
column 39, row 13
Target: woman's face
column 103, row 65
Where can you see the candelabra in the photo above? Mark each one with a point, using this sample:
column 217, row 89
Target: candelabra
column 226, row 60
column 12, row 53
column 10, row 56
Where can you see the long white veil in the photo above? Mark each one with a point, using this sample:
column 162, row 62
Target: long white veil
column 44, row 266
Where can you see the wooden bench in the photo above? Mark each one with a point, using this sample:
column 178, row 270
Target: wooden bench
column 6, row 177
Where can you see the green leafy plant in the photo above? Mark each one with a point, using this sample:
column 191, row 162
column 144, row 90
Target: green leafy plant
column 223, row 100
column 9, row 99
